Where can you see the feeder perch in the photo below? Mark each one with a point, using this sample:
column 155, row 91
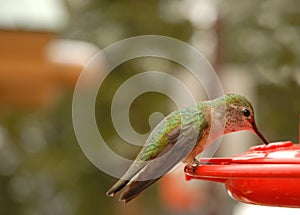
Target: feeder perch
column 265, row 175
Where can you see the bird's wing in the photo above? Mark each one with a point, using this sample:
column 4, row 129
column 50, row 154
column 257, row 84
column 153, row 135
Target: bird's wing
column 181, row 142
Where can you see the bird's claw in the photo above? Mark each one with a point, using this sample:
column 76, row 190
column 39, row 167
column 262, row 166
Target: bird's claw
column 195, row 165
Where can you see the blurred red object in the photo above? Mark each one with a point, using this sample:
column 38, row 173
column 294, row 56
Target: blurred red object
column 185, row 197
column 266, row 175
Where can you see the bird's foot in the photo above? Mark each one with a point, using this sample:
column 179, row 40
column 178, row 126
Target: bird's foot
column 195, row 165
column 192, row 167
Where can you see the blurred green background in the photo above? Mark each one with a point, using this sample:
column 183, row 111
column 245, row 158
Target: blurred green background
column 42, row 168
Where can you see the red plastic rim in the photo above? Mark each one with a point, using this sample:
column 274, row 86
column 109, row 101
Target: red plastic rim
column 266, row 175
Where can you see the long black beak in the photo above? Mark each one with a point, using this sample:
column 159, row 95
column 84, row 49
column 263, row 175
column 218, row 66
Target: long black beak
column 258, row 133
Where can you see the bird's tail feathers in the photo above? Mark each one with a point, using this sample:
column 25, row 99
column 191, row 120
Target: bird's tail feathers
column 134, row 188
column 117, row 187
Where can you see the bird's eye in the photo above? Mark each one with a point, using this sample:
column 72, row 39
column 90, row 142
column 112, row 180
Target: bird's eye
column 246, row 112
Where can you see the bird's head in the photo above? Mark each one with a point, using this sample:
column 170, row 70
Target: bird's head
column 240, row 115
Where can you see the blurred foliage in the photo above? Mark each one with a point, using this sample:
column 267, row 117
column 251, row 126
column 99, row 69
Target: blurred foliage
column 264, row 33
column 280, row 110
column 43, row 170
column 104, row 22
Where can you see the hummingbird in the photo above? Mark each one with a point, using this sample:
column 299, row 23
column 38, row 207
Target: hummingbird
column 181, row 136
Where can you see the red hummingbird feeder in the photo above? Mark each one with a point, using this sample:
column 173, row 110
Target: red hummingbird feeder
column 265, row 175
